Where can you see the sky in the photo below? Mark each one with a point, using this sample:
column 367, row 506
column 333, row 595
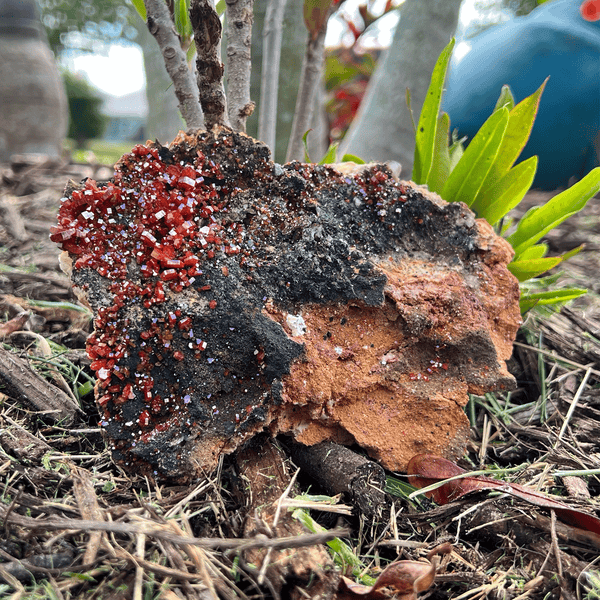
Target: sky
column 120, row 70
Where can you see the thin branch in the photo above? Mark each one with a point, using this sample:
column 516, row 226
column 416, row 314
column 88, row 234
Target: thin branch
column 160, row 24
column 164, row 532
column 239, row 40
column 312, row 67
column 207, row 36
column 269, row 83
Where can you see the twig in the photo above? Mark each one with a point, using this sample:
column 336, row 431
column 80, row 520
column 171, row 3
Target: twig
column 160, row 24
column 140, row 551
column 574, row 403
column 207, row 36
column 269, row 83
column 164, row 532
column 265, row 562
column 557, row 357
column 312, row 66
column 239, row 65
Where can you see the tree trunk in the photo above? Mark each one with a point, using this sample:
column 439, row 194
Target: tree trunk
column 382, row 129
column 292, row 53
column 164, row 118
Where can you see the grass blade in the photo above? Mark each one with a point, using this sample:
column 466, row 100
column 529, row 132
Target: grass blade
column 427, row 126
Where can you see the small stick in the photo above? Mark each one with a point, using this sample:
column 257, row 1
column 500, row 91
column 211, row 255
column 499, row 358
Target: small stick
column 574, row 403
column 265, row 563
column 161, row 26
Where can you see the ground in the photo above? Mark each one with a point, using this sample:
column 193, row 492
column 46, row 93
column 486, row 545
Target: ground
column 76, row 525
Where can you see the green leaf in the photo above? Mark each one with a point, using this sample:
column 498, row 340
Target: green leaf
column 305, row 143
column 331, row 155
column 536, row 223
column 466, row 179
column 140, row 7
column 353, row 158
column 426, row 129
column 571, row 253
column 316, row 13
column 538, row 251
column 440, row 167
column 85, row 388
column 520, row 122
column 506, row 99
column 495, row 202
column 220, row 7
column 528, row 301
column 526, row 269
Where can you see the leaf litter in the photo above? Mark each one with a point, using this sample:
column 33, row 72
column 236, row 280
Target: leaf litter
column 75, row 525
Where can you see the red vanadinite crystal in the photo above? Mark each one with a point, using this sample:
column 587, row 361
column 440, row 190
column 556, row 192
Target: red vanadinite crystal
column 161, row 220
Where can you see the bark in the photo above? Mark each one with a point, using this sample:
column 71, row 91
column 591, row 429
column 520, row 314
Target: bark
column 338, row 469
column 239, row 66
column 207, row 36
column 269, row 84
column 24, row 385
column 312, row 68
column 382, row 130
column 160, row 25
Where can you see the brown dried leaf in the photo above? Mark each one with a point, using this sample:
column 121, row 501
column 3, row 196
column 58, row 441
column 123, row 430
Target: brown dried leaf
column 15, row 324
column 402, row 580
column 427, row 469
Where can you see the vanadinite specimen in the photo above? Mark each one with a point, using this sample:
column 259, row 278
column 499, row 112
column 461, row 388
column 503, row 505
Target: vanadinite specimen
column 232, row 295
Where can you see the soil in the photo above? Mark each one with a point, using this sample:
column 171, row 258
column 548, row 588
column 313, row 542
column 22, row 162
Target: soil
column 76, row 525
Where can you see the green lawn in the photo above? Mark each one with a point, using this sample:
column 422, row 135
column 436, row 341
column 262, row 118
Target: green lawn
column 105, row 152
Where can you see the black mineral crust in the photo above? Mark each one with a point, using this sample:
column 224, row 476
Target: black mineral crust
column 303, row 234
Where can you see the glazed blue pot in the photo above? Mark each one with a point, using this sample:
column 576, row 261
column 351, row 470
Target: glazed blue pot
column 554, row 40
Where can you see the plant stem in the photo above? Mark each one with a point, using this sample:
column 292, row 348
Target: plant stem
column 239, row 65
column 312, row 66
column 161, row 26
column 207, row 36
column 269, row 84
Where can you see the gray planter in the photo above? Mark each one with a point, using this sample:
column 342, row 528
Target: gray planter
column 33, row 104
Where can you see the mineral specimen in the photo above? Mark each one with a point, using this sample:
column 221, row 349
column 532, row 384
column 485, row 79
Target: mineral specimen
column 234, row 295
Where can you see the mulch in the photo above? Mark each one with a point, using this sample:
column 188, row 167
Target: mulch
column 75, row 525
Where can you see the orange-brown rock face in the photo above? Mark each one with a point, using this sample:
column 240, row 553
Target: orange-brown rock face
column 234, row 295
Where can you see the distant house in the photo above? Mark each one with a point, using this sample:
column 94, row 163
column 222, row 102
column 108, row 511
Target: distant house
column 127, row 117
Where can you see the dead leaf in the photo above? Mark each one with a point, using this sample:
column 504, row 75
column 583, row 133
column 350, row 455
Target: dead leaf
column 402, row 580
column 15, row 324
column 427, row 469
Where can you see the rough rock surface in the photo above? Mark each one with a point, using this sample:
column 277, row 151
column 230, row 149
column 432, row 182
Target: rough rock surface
column 233, row 295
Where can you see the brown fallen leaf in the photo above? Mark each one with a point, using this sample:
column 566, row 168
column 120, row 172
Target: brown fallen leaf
column 427, row 469
column 15, row 324
column 402, row 580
